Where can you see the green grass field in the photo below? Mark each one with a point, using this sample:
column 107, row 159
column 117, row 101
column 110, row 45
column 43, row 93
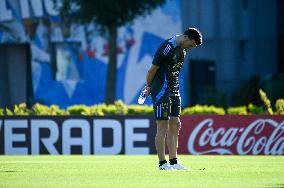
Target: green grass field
column 140, row 171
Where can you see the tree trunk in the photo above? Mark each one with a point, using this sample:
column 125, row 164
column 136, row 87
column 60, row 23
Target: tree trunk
column 112, row 71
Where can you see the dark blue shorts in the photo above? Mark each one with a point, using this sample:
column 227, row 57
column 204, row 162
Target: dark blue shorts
column 166, row 107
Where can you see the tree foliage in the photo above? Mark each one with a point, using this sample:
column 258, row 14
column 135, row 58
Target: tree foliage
column 106, row 12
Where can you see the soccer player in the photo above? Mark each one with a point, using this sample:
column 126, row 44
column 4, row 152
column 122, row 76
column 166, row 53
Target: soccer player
column 163, row 85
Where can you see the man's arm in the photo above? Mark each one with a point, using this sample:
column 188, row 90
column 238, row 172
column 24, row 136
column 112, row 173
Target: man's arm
column 150, row 76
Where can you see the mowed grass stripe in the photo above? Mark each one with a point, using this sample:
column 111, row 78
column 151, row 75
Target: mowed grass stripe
column 140, row 171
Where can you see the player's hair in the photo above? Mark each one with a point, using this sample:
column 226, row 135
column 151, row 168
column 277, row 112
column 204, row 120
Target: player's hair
column 194, row 34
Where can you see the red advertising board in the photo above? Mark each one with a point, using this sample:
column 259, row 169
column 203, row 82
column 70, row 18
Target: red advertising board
column 232, row 134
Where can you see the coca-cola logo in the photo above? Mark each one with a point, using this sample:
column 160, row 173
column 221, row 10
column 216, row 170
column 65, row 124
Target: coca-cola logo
column 246, row 140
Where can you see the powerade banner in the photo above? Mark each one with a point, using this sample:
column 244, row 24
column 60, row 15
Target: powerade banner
column 76, row 135
column 69, row 62
column 199, row 135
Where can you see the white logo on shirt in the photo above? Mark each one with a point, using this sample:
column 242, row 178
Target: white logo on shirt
column 167, row 49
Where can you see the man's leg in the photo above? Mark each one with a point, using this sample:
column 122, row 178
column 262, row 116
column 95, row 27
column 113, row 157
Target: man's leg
column 173, row 133
column 161, row 111
column 172, row 136
column 172, row 141
column 162, row 129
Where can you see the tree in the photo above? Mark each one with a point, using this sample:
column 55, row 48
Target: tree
column 108, row 15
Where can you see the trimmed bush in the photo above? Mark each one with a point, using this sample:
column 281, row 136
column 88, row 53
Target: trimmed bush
column 140, row 110
column 238, row 110
column 279, row 106
column 253, row 109
column 20, row 110
column 266, row 101
column 39, row 109
column 198, row 109
column 108, row 109
column 79, row 109
column 96, row 110
column 9, row 112
column 1, row 112
column 119, row 108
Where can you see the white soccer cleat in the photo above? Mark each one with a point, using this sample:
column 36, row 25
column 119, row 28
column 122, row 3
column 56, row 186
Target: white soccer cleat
column 166, row 166
column 178, row 167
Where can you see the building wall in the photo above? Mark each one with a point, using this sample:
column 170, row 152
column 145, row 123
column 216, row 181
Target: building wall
column 240, row 36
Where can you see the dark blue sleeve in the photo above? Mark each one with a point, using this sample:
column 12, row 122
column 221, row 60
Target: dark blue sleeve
column 162, row 54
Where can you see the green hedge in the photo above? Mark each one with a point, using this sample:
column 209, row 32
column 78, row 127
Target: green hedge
column 253, row 109
column 119, row 108
column 39, row 109
column 139, row 109
column 238, row 110
column 198, row 109
column 279, row 106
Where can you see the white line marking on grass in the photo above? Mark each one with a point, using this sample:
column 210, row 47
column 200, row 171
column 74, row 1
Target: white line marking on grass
column 66, row 162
